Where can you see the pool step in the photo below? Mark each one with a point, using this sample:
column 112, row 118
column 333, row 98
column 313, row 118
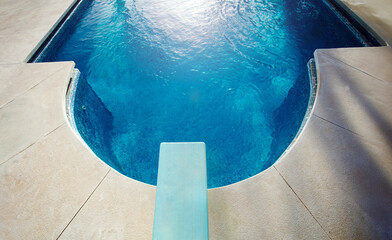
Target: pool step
column 181, row 210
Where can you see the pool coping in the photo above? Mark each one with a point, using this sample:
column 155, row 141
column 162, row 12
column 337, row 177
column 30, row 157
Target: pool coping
column 337, row 5
column 244, row 210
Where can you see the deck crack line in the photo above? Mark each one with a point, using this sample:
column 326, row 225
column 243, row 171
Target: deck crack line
column 21, row 94
column 39, row 139
column 83, row 204
column 338, row 125
column 302, row 203
column 373, row 141
column 362, row 71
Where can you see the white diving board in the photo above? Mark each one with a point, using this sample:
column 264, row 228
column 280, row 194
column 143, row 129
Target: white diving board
column 181, row 207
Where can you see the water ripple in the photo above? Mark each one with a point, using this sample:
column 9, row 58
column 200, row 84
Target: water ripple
column 230, row 73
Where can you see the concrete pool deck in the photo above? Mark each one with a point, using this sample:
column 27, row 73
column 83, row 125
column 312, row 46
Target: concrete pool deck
column 335, row 182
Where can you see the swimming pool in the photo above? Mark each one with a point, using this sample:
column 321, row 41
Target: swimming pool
column 231, row 74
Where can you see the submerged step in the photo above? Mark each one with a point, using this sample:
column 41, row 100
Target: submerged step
column 181, row 210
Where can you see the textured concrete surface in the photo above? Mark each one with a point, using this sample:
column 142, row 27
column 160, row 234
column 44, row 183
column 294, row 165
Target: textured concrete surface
column 121, row 208
column 377, row 14
column 334, row 183
column 373, row 61
column 262, row 207
column 344, row 181
column 25, row 24
column 368, row 98
column 347, row 145
column 33, row 113
column 19, row 78
column 43, row 187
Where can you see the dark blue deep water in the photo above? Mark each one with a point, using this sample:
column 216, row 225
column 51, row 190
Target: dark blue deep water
column 229, row 73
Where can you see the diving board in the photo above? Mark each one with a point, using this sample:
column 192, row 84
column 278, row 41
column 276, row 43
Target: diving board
column 181, row 209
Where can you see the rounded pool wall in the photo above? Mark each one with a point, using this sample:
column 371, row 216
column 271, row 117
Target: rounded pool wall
column 83, row 102
column 90, row 99
column 94, row 121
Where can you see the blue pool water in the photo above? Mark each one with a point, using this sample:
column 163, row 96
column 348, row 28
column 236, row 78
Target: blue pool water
column 229, row 73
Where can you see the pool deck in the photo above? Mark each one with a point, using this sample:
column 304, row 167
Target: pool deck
column 335, row 182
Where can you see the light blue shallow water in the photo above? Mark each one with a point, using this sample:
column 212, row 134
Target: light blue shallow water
column 231, row 74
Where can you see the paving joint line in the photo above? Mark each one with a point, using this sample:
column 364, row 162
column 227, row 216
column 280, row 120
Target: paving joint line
column 83, row 204
column 44, row 79
column 362, row 71
column 338, row 125
column 36, row 141
column 303, row 203
column 363, row 138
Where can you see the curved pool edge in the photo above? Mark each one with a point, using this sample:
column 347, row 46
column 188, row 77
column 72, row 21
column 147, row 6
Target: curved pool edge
column 321, row 170
column 313, row 89
column 77, row 3
column 309, row 199
column 308, row 193
column 281, row 197
column 72, row 85
column 226, row 193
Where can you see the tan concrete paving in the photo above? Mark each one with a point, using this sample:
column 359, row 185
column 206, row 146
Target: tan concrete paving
column 35, row 113
column 121, row 208
column 44, row 187
column 19, row 78
column 262, row 207
column 342, row 179
column 334, row 183
column 373, row 61
column 25, row 24
column 377, row 14
column 367, row 98
column 341, row 166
